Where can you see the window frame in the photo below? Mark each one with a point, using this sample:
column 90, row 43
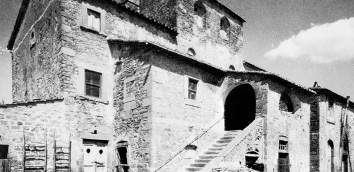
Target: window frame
column 92, row 84
column 85, row 17
column 192, row 90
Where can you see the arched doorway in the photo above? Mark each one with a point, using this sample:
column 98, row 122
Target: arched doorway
column 240, row 107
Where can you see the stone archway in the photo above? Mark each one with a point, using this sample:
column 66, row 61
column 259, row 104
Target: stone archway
column 240, row 107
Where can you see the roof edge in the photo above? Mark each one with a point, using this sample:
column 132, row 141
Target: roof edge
column 169, row 51
column 18, row 23
column 254, row 66
column 329, row 92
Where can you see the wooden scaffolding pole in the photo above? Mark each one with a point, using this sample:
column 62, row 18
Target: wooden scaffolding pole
column 24, row 151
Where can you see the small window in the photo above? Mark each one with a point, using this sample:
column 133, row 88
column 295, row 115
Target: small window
column 191, row 52
column 231, row 67
column 330, row 103
column 192, row 89
column 93, row 20
column 283, row 146
column 92, row 83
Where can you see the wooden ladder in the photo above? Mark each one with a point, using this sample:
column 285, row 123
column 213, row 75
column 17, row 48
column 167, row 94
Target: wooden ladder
column 62, row 157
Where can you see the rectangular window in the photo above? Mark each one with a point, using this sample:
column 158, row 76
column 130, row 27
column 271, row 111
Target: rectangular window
column 92, row 83
column 192, row 89
column 93, row 20
column 3, row 151
column 283, row 146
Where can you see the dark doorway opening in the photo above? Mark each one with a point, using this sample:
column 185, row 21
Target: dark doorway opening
column 122, row 155
column 240, row 107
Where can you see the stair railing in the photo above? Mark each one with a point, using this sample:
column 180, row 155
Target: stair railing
column 195, row 139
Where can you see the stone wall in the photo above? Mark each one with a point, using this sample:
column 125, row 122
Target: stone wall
column 177, row 120
column 330, row 129
column 132, row 104
column 291, row 125
column 206, row 39
column 314, row 134
column 35, row 65
column 161, row 10
column 73, row 118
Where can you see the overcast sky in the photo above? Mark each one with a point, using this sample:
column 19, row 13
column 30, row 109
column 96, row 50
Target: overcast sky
column 302, row 40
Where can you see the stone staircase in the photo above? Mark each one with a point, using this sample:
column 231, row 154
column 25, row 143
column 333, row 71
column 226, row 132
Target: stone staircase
column 213, row 151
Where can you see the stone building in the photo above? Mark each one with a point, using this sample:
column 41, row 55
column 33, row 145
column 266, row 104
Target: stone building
column 158, row 85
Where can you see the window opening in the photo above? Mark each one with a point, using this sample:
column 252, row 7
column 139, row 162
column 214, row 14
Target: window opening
column 3, row 151
column 93, row 20
column 285, row 103
column 331, row 147
column 122, row 155
column 191, row 52
column 192, row 89
column 330, row 103
column 283, row 157
column 92, row 83
column 231, row 67
column 283, row 146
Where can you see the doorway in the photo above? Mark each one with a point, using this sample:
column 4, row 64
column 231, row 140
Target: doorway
column 95, row 156
column 240, row 107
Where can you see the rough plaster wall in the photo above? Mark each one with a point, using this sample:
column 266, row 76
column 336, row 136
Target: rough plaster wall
column 176, row 119
column 35, row 66
column 206, row 40
column 76, row 117
column 330, row 130
column 133, row 116
column 293, row 125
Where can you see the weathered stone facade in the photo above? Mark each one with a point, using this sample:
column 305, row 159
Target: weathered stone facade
column 173, row 92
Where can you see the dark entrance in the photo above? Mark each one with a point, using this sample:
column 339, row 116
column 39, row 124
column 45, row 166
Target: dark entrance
column 240, row 107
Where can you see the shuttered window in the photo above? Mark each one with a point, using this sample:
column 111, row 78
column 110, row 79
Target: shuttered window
column 92, row 83
column 93, row 20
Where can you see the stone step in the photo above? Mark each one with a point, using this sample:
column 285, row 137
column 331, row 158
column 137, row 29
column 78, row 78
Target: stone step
column 227, row 138
column 215, row 148
column 202, row 160
column 211, row 153
column 223, row 141
column 219, row 145
column 198, row 165
column 206, row 157
column 193, row 169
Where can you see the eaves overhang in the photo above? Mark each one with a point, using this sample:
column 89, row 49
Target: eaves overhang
column 327, row 92
column 173, row 53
